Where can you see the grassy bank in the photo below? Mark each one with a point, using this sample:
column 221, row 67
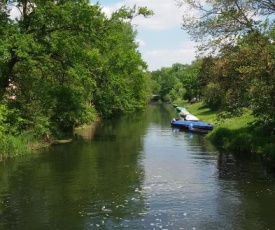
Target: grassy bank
column 11, row 146
column 28, row 142
column 236, row 135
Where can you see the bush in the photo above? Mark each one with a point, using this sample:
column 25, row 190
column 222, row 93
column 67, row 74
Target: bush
column 11, row 146
column 212, row 96
column 241, row 144
column 10, row 121
column 71, row 110
column 221, row 137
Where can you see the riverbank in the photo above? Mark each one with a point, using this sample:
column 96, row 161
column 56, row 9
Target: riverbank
column 26, row 143
column 237, row 136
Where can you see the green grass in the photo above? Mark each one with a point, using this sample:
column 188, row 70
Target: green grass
column 235, row 134
column 205, row 114
column 11, row 146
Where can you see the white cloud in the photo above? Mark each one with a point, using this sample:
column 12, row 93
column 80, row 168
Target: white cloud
column 166, row 13
column 166, row 58
column 158, row 36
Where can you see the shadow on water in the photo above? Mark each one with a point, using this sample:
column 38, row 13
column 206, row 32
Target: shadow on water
column 90, row 183
column 135, row 172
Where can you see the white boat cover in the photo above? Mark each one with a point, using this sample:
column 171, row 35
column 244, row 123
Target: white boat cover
column 183, row 113
column 190, row 117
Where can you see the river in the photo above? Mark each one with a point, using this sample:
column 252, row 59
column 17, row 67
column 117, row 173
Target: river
column 135, row 172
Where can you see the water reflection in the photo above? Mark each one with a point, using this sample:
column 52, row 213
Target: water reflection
column 135, row 173
column 76, row 186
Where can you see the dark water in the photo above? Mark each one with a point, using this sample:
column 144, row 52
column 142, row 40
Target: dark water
column 135, row 173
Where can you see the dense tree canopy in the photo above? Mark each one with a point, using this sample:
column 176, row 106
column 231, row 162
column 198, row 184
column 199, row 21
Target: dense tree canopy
column 177, row 82
column 60, row 61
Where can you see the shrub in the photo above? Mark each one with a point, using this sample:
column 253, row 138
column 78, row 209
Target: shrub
column 241, row 144
column 11, row 146
column 71, row 109
column 211, row 98
column 221, row 137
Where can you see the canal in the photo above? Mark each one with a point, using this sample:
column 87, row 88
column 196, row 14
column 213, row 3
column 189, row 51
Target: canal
column 135, row 173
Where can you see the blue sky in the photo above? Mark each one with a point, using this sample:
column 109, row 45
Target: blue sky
column 162, row 41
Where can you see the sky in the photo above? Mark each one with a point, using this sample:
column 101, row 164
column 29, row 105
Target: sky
column 162, row 42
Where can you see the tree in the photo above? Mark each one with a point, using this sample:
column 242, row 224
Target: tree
column 189, row 79
column 50, row 46
column 122, row 85
column 220, row 22
column 242, row 63
column 242, row 77
column 64, row 58
column 167, row 81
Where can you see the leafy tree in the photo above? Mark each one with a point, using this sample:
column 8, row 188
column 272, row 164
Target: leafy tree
column 241, row 67
column 219, row 22
column 178, row 82
column 242, row 77
column 256, row 87
column 64, row 58
column 167, row 81
column 189, row 79
column 122, row 84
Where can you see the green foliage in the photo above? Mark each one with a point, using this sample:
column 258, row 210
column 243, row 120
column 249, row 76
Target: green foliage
column 242, row 68
column 11, row 141
column 241, row 144
column 213, row 96
column 221, row 137
column 243, row 78
column 63, row 62
column 221, row 22
column 122, row 85
column 70, row 109
column 10, row 121
column 177, row 82
column 11, row 146
column 129, row 13
column 238, row 135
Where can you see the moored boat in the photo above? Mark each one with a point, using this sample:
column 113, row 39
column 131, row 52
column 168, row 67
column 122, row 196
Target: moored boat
column 190, row 117
column 178, row 108
column 182, row 110
column 191, row 125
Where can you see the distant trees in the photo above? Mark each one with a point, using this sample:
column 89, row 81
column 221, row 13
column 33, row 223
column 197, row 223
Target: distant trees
column 241, row 76
column 68, row 61
column 165, row 83
column 178, row 82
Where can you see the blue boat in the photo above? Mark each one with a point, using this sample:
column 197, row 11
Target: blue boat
column 191, row 125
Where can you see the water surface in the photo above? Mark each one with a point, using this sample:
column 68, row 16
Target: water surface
column 135, row 173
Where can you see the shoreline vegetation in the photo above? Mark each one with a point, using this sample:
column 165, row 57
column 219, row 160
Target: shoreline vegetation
column 232, row 135
column 26, row 143
column 63, row 64
column 237, row 135
column 53, row 80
